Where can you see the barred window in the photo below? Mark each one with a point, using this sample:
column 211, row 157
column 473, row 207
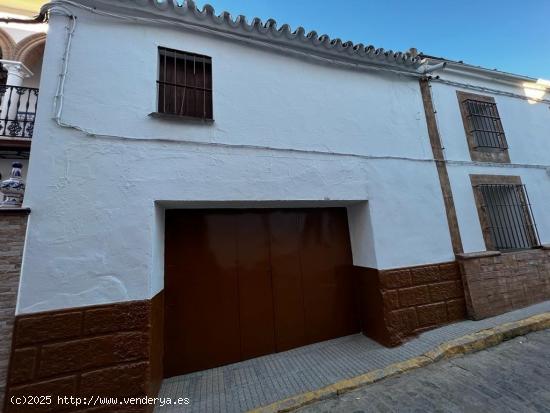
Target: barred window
column 185, row 84
column 484, row 124
column 483, row 128
column 508, row 216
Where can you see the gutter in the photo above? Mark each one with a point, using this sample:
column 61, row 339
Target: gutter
column 511, row 79
column 427, row 69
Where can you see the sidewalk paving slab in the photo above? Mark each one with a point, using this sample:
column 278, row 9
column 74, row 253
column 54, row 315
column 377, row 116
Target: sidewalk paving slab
column 259, row 382
column 510, row 377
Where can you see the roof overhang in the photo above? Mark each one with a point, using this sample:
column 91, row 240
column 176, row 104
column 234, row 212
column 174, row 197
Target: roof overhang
column 256, row 32
column 481, row 73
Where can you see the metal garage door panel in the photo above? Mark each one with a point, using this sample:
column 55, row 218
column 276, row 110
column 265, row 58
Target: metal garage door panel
column 255, row 289
column 243, row 283
column 327, row 276
column 287, row 280
column 201, row 292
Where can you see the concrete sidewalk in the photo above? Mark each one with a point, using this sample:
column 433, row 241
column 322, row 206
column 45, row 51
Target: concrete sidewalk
column 510, row 377
column 259, row 382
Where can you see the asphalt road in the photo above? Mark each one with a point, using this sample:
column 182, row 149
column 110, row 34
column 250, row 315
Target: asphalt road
column 511, row 377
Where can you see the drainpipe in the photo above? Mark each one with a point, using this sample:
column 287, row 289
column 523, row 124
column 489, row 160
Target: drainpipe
column 426, row 69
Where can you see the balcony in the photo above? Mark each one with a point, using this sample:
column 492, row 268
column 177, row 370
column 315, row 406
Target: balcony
column 17, row 115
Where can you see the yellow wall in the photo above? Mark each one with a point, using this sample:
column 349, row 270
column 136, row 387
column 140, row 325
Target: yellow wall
column 22, row 6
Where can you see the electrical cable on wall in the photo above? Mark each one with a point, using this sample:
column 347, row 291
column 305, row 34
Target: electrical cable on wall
column 58, row 6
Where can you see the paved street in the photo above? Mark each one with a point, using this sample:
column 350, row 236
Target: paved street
column 512, row 377
column 261, row 381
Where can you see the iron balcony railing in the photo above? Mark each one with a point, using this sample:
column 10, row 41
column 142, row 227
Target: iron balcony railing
column 17, row 111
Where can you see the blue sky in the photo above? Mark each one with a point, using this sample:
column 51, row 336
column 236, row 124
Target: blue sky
column 509, row 35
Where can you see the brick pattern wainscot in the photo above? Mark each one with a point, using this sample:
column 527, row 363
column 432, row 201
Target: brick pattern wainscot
column 13, row 224
column 400, row 303
column 109, row 351
column 497, row 282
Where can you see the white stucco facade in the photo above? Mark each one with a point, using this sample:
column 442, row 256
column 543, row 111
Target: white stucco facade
column 287, row 132
column 527, row 128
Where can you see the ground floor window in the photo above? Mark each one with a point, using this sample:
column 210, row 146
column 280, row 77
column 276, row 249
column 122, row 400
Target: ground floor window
column 505, row 213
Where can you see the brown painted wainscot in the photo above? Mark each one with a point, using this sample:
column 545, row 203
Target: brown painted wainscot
column 497, row 282
column 107, row 350
column 398, row 304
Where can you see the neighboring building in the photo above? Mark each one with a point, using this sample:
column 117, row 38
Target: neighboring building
column 21, row 53
column 210, row 189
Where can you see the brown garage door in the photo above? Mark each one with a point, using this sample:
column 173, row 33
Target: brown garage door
column 245, row 283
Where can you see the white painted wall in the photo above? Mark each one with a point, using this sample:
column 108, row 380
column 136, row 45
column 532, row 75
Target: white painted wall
column 95, row 231
column 527, row 129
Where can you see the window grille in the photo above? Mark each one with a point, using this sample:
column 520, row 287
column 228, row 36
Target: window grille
column 184, row 84
column 509, row 216
column 484, row 124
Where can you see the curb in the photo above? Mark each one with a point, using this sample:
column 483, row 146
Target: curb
column 464, row 345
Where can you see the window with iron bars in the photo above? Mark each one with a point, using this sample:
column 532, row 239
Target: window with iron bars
column 484, row 124
column 184, row 84
column 508, row 216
